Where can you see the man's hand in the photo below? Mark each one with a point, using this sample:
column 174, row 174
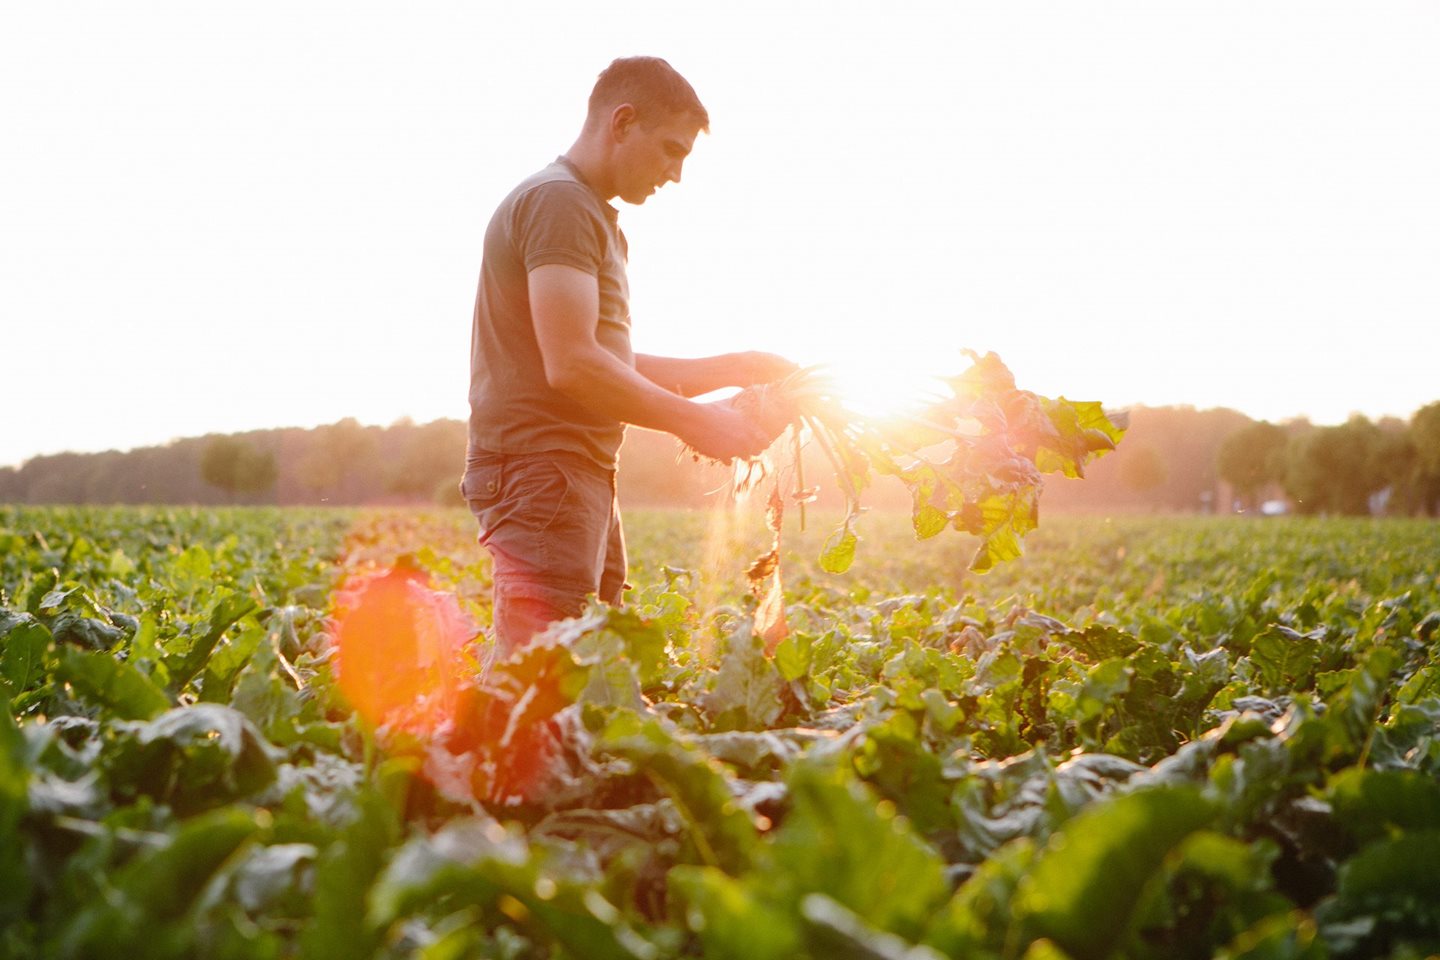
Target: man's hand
column 754, row 367
column 721, row 432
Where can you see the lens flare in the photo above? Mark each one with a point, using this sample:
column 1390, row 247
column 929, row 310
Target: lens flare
column 400, row 650
column 403, row 660
column 881, row 391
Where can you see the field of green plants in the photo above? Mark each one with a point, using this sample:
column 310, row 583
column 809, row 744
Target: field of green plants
column 1149, row 737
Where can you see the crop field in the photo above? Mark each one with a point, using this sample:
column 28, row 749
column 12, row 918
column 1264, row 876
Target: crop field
column 257, row 733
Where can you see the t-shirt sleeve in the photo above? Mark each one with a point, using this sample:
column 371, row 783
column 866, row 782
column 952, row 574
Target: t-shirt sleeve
column 553, row 224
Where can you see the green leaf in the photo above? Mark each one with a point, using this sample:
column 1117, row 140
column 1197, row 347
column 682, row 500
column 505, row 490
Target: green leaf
column 22, row 662
column 224, row 613
column 839, row 551
column 198, row 756
column 1100, row 641
column 1370, row 804
column 793, row 656
column 478, row 861
column 14, row 777
column 428, row 867
column 1281, row 936
column 193, row 570
column 1085, row 890
column 837, row 932
column 746, row 750
column 1238, row 866
column 732, row 921
column 166, row 881
column 1005, row 518
column 343, row 878
column 979, row 920
column 644, row 643
column 1392, row 883
column 91, row 633
column 225, row 665
column 628, row 650
column 1423, row 684
column 928, row 521
column 145, row 911
column 895, row 759
column 746, row 692
column 274, row 876
column 841, row 840
column 1044, row 950
column 1286, row 659
column 1104, row 685
column 721, row 833
column 1079, row 431
column 101, row 679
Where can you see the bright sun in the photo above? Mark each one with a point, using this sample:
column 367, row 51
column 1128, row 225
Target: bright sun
column 875, row 388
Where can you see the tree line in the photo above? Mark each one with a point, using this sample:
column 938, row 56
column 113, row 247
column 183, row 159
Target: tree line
column 1357, row 467
column 339, row 463
column 1181, row 459
column 1173, row 459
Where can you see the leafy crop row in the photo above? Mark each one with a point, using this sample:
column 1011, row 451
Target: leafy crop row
column 1146, row 739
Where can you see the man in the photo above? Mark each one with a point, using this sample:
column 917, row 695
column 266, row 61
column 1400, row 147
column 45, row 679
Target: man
column 553, row 379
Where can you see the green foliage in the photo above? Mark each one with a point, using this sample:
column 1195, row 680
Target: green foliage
column 1142, row 739
column 106, row 682
column 972, row 461
column 1091, row 879
column 14, row 780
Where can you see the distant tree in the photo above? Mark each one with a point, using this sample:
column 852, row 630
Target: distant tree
column 58, row 478
column 236, row 466
column 1252, row 458
column 1186, row 441
column 336, row 453
column 1143, row 470
column 1424, row 433
column 1394, row 466
column 1331, row 469
column 431, row 460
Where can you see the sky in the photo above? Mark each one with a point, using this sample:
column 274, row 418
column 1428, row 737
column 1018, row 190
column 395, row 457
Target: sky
column 220, row 218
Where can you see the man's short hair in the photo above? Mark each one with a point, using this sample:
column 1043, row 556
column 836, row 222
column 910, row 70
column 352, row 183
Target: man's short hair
column 653, row 87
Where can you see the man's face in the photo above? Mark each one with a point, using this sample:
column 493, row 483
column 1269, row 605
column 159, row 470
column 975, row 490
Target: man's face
column 651, row 157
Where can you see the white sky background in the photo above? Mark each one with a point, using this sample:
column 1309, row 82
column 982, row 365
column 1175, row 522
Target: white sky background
column 216, row 218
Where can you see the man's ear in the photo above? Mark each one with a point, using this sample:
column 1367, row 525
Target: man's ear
column 622, row 120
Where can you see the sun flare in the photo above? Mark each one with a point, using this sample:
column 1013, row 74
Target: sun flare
column 880, row 390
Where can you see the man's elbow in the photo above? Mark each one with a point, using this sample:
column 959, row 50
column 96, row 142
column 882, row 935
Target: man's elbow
column 566, row 375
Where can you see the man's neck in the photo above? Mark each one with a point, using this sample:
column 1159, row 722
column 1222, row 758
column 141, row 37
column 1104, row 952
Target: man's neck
column 589, row 159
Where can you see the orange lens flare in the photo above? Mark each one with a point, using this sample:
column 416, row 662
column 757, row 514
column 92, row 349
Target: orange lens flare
column 400, row 651
column 402, row 660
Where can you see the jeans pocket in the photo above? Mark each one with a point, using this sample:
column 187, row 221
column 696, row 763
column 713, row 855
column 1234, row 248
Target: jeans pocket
column 481, row 488
column 540, row 491
column 482, row 481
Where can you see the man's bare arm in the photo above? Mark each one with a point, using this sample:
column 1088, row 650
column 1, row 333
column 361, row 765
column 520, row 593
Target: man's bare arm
column 565, row 304
column 693, row 377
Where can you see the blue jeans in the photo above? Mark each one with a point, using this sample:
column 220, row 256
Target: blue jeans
column 552, row 525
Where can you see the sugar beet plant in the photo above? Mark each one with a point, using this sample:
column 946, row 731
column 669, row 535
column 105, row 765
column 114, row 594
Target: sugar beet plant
column 1238, row 758
column 972, row 462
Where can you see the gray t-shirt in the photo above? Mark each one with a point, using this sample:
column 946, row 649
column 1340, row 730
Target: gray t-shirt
column 551, row 217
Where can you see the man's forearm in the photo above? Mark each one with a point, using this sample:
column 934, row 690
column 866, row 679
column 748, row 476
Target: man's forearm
column 603, row 383
column 689, row 377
